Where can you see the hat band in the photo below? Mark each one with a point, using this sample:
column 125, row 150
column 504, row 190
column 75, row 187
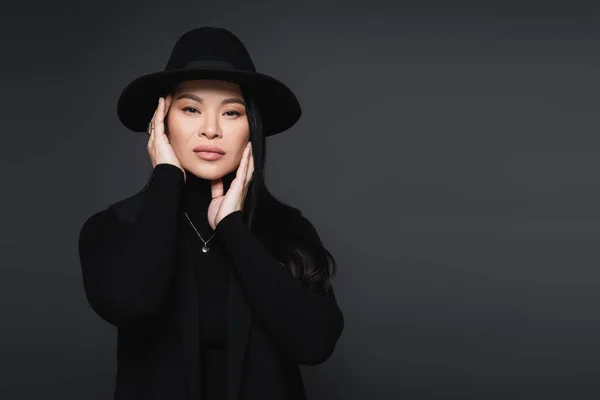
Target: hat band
column 210, row 64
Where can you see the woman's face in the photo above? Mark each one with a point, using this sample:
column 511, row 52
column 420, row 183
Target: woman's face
column 208, row 127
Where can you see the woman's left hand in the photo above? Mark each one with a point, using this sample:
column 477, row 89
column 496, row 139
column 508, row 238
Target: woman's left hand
column 224, row 204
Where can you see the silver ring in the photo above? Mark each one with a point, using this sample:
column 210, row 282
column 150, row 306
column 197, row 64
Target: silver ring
column 150, row 127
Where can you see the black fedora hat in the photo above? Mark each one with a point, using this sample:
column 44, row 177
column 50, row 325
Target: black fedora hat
column 209, row 53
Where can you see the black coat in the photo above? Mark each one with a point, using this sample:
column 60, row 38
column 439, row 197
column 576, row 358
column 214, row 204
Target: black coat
column 160, row 360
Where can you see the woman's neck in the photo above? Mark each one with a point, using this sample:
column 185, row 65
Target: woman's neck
column 197, row 195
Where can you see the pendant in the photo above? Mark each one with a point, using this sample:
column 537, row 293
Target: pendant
column 205, row 249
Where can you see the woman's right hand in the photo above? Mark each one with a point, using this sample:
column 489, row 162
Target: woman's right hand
column 159, row 148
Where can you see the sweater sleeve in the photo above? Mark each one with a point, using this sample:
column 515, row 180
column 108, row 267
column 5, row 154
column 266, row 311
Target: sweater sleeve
column 126, row 269
column 306, row 325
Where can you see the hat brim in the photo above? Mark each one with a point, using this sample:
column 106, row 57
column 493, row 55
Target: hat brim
column 278, row 105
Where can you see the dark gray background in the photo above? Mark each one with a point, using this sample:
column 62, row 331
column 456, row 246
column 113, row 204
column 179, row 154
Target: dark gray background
column 448, row 154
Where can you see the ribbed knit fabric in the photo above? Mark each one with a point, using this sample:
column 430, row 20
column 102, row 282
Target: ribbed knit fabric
column 212, row 281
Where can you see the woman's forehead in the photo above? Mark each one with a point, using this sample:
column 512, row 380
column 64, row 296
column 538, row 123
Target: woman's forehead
column 209, row 85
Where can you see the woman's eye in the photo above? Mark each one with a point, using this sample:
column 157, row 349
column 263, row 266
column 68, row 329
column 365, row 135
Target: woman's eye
column 190, row 109
column 232, row 113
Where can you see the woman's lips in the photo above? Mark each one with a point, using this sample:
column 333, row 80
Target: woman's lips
column 209, row 155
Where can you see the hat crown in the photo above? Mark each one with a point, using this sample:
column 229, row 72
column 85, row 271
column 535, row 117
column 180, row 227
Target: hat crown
column 210, row 47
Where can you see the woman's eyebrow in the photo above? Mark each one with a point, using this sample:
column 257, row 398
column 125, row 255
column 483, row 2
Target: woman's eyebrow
column 198, row 99
column 233, row 100
column 190, row 96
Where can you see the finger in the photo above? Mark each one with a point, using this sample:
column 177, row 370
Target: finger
column 249, row 165
column 237, row 185
column 247, row 170
column 150, row 146
column 151, row 140
column 151, row 129
column 250, row 172
column 159, row 118
column 216, row 188
column 240, row 175
column 169, row 101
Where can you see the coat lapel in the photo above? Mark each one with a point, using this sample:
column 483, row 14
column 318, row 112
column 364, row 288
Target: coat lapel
column 186, row 306
column 239, row 319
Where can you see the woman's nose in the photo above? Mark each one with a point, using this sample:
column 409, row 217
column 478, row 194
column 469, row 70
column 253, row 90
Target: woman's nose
column 211, row 133
column 210, row 129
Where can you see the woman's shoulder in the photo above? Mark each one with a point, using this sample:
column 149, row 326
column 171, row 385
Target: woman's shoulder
column 276, row 211
column 128, row 208
column 123, row 211
column 285, row 219
column 120, row 211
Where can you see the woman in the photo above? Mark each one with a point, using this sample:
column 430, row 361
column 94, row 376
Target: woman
column 217, row 289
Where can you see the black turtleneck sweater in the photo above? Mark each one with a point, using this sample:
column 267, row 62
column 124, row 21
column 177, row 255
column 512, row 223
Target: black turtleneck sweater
column 212, row 277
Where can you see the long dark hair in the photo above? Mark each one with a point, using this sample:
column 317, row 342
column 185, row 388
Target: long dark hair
column 289, row 236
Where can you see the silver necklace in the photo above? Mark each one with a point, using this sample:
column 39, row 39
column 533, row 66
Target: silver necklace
column 205, row 248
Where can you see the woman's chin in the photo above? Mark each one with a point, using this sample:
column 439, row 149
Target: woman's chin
column 211, row 172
